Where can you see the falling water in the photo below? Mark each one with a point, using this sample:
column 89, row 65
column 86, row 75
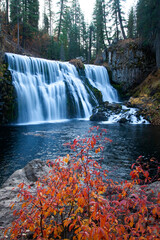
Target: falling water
column 51, row 90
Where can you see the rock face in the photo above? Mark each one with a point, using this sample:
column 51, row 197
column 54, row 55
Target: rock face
column 7, row 96
column 147, row 98
column 29, row 174
column 130, row 63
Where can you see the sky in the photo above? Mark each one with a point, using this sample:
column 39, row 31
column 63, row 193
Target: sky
column 88, row 5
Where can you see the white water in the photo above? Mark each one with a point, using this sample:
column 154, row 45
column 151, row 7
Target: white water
column 42, row 88
column 129, row 115
column 98, row 77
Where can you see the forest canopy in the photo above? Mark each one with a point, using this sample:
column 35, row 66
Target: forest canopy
column 64, row 34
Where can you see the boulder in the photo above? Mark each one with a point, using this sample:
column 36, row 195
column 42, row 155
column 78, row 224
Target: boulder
column 9, row 190
column 99, row 116
column 123, row 120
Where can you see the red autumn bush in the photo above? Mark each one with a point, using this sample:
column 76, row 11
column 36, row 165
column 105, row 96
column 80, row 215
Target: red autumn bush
column 77, row 201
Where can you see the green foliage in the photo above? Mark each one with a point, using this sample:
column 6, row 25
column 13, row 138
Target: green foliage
column 24, row 19
column 76, row 201
column 98, row 25
column 148, row 23
column 131, row 24
column 118, row 19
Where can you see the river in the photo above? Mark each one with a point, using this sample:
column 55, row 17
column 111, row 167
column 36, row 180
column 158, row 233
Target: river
column 19, row 144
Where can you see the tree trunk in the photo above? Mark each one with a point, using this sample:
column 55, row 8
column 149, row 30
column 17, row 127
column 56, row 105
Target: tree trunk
column 50, row 16
column 7, row 12
column 120, row 20
column 60, row 19
column 157, row 49
column 90, row 44
column 105, row 24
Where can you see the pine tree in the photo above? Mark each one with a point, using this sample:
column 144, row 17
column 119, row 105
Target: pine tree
column 62, row 5
column 98, row 25
column 148, row 24
column 131, row 24
column 7, row 12
column 24, row 15
column 16, row 17
column 46, row 23
column 118, row 19
column 74, row 31
column 106, row 20
column 49, row 6
column 91, row 29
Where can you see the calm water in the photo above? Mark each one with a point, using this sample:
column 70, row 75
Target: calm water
column 21, row 144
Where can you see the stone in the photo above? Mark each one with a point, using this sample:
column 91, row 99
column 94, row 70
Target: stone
column 99, row 116
column 9, row 190
column 123, row 120
column 130, row 63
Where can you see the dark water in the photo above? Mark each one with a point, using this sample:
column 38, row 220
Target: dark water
column 21, row 144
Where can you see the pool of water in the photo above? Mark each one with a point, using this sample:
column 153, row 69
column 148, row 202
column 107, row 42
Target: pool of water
column 21, row 144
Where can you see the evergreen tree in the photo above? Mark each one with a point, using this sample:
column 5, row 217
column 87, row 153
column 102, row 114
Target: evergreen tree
column 91, row 29
column 74, row 31
column 148, row 24
column 33, row 15
column 16, row 17
column 46, row 23
column 64, row 36
column 98, row 25
column 131, row 24
column 62, row 6
column 118, row 19
column 7, row 12
column 49, row 6
column 106, row 20
column 26, row 14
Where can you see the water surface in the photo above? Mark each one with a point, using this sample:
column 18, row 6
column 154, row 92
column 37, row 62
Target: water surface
column 21, row 144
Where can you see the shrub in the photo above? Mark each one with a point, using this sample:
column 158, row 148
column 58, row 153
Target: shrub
column 77, row 201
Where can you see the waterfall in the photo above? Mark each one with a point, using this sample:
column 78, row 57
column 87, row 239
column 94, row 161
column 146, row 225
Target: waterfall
column 98, row 77
column 52, row 90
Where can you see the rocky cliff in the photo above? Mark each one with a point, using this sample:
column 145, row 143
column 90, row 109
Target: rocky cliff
column 147, row 97
column 130, row 63
column 7, row 96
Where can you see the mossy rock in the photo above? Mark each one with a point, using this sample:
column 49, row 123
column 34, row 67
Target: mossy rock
column 97, row 93
column 77, row 63
column 7, row 96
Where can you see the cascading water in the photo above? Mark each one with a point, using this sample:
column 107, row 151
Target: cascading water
column 51, row 90
column 98, row 77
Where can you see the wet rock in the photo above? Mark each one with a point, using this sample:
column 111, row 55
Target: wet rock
column 123, row 120
column 104, row 110
column 9, row 190
column 99, row 116
column 116, row 112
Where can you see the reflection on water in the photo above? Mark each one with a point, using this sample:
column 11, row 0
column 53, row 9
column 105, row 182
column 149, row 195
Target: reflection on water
column 21, row 144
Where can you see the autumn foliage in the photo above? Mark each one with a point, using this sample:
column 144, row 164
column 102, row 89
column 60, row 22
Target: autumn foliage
column 77, row 201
